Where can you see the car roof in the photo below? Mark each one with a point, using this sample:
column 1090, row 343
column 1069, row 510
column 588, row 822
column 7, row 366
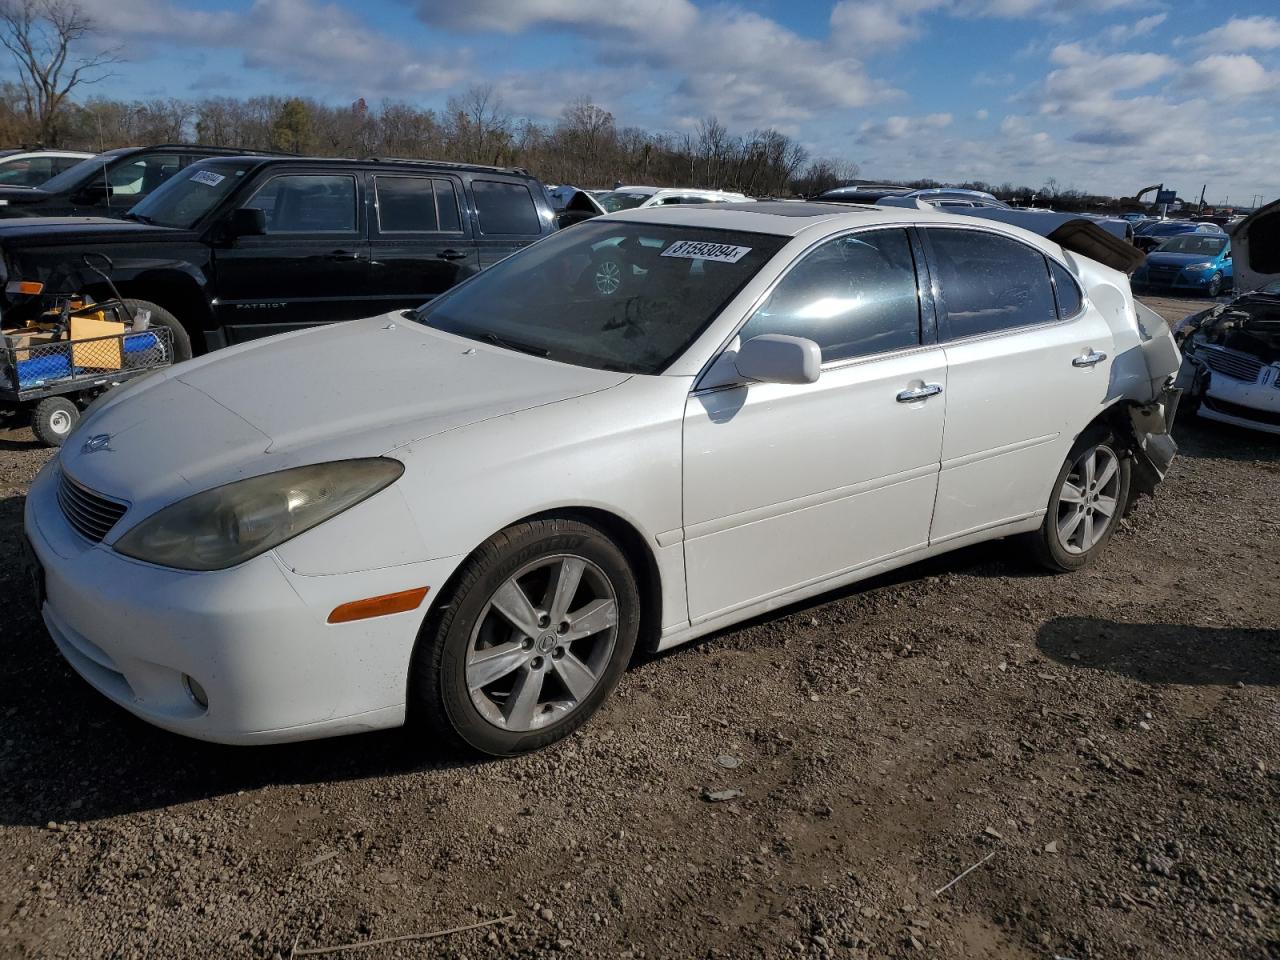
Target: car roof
column 789, row 218
column 387, row 163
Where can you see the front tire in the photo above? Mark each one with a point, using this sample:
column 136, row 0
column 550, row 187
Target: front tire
column 1089, row 497
column 1215, row 285
column 160, row 317
column 533, row 635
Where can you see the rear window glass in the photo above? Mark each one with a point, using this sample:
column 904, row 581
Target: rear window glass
column 506, row 208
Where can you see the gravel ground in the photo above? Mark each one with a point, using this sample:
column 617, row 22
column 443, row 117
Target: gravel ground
column 1104, row 745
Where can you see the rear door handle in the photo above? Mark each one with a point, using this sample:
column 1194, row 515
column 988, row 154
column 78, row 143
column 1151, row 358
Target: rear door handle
column 1090, row 359
column 920, row 393
column 451, row 255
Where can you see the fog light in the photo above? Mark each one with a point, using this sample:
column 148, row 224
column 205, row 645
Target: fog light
column 196, row 692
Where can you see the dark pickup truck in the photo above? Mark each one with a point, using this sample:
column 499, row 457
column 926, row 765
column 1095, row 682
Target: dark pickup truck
column 235, row 248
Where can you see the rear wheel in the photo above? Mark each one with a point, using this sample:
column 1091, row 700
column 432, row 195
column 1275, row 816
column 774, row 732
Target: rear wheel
column 53, row 419
column 1088, row 500
column 534, row 635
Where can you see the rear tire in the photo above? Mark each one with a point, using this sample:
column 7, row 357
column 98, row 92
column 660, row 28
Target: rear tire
column 53, row 419
column 532, row 636
column 160, row 317
column 1091, row 487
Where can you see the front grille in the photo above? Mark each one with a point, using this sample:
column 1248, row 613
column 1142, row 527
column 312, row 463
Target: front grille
column 91, row 514
column 1239, row 366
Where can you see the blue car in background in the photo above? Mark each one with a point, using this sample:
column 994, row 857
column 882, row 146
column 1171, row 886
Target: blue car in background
column 1198, row 262
column 1149, row 235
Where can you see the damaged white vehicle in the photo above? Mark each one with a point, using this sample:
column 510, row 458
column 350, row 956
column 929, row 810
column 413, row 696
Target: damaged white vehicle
column 474, row 513
column 1232, row 367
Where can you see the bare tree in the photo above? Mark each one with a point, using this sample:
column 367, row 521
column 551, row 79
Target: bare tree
column 40, row 34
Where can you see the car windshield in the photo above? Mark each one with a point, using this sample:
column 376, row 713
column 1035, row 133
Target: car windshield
column 78, row 175
column 182, row 201
column 616, row 200
column 610, row 295
column 1196, row 243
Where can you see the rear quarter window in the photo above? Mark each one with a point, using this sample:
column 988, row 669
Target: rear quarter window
column 1070, row 299
column 506, row 208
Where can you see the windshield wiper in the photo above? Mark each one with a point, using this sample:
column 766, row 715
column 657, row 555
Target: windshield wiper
column 516, row 345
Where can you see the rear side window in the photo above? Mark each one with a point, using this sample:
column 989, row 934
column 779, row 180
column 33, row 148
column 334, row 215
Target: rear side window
column 990, row 283
column 854, row 296
column 416, row 205
column 506, row 208
column 1064, row 285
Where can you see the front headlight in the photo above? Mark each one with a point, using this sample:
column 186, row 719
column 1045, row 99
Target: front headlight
column 1199, row 266
column 227, row 525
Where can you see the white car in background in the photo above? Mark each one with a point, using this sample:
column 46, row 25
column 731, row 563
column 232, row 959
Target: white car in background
column 31, row 168
column 639, row 198
column 474, row 513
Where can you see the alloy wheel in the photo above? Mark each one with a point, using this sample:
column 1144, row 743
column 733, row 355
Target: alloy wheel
column 1089, row 500
column 542, row 642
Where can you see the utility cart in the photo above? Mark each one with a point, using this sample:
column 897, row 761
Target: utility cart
column 74, row 351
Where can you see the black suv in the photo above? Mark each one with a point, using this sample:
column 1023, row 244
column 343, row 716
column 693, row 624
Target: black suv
column 109, row 184
column 243, row 247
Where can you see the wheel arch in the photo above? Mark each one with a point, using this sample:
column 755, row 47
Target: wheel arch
column 633, row 544
column 176, row 291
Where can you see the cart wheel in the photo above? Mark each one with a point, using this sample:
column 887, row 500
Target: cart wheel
column 53, row 419
column 160, row 317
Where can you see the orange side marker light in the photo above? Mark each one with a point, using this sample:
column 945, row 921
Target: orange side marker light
column 388, row 603
column 28, row 287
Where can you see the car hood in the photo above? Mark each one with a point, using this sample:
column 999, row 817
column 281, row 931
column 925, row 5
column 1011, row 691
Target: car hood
column 1256, row 247
column 1179, row 259
column 71, row 230
column 348, row 390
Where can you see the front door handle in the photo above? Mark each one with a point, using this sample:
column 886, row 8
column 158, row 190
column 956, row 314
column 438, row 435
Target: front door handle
column 342, row 255
column 451, row 255
column 920, row 393
column 1090, row 359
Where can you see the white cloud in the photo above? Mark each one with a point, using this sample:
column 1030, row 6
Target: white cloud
column 1244, row 33
column 1123, row 32
column 1232, row 75
column 871, row 25
column 899, row 128
column 982, row 114
column 1082, row 75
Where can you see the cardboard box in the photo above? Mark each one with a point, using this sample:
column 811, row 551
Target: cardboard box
column 97, row 354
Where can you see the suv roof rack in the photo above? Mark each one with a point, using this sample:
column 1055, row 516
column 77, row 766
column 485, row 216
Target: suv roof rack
column 228, row 151
column 486, row 168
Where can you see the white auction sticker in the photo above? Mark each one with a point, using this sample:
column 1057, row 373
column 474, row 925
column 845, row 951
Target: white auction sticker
column 207, row 177
column 702, row 250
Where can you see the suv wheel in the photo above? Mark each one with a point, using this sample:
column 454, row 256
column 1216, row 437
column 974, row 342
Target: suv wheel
column 533, row 636
column 160, row 317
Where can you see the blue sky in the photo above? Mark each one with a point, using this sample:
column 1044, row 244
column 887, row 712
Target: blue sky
column 1106, row 95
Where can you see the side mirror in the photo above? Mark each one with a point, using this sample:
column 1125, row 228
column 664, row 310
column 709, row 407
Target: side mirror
column 92, row 192
column 245, row 222
column 776, row 358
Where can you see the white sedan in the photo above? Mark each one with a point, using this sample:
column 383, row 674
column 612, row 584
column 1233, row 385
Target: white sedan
column 473, row 514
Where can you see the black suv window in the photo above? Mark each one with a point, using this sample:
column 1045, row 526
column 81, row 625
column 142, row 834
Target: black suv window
column 308, row 203
column 990, row 283
column 1070, row 299
column 416, row 205
column 854, row 296
column 142, row 174
column 505, row 208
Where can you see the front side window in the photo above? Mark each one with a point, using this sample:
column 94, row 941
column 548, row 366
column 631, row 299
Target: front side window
column 26, row 172
column 616, row 200
column 308, row 203
column 611, row 295
column 142, row 174
column 990, row 283
column 854, row 296
column 506, row 208
column 416, row 205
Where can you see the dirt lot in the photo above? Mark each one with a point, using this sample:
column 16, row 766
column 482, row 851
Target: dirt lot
column 1106, row 745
